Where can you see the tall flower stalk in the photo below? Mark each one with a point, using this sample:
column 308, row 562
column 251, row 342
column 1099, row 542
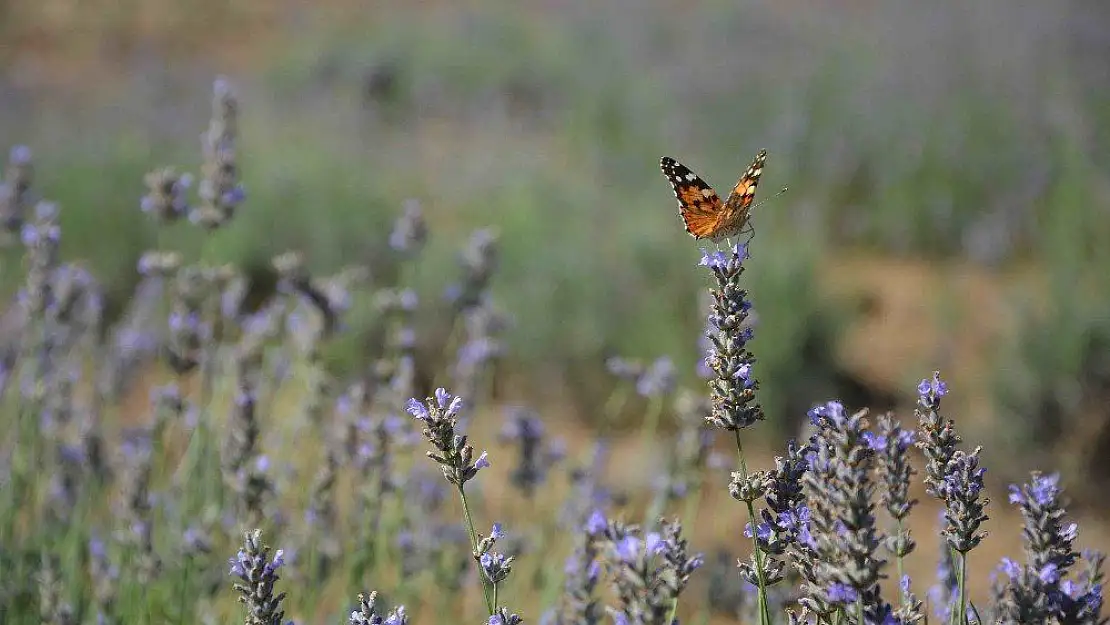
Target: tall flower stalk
column 954, row 477
column 732, row 387
column 891, row 443
column 440, row 416
column 842, row 532
column 1039, row 591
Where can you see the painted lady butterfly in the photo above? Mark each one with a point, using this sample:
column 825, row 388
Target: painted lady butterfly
column 701, row 209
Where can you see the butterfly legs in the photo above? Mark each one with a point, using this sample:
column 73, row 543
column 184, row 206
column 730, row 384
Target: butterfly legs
column 748, row 229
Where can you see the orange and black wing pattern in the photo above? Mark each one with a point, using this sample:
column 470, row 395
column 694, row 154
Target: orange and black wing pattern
column 698, row 204
column 738, row 206
column 701, row 209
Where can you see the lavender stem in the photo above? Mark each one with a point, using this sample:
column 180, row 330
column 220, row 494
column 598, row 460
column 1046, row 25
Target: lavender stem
column 490, row 603
column 764, row 613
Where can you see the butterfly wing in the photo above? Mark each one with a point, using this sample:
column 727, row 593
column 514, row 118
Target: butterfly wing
column 698, row 204
column 737, row 208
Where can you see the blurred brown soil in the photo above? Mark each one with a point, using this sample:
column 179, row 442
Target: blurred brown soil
column 918, row 316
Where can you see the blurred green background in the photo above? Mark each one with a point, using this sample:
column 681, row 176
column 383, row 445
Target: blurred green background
column 949, row 202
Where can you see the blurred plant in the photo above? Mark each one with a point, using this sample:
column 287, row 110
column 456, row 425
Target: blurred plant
column 105, row 578
column 16, row 196
column 648, row 571
column 579, row 602
column 135, row 513
column 524, row 428
column 220, row 190
column 53, row 607
column 1055, row 384
column 686, row 460
column 367, row 613
column 166, row 200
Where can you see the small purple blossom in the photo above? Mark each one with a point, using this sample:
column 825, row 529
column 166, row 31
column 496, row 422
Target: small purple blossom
column 1041, row 491
column 931, row 390
column 628, row 548
column 596, row 523
column 496, row 566
column 497, row 532
column 482, row 462
column 440, row 416
column 417, row 409
column 258, row 575
column 841, row 593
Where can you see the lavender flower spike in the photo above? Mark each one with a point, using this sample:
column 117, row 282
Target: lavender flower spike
column 258, row 575
column 938, row 438
column 503, row 617
column 440, row 415
column 367, row 614
column 732, row 387
column 1039, row 591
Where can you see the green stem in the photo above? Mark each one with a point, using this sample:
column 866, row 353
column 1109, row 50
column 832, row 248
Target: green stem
column 693, row 502
column 184, row 590
column 764, row 612
column 901, row 565
column 495, row 597
column 474, row 548
column 859, row 610
column 651, row 421
column 961, row 609
column 674, row 610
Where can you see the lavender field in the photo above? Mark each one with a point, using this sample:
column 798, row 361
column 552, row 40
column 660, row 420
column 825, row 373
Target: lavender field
column 413, row 333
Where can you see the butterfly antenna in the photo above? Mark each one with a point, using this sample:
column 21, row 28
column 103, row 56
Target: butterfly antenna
column 748, row 227
column 764, row 201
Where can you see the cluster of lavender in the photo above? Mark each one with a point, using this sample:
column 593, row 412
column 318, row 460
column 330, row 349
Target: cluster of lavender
column 813, row 519
column 819, row 503
column 182, row 480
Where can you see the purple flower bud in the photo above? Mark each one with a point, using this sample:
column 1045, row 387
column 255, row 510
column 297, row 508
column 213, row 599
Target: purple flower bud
column 1049, row 573
column 932, row 388
column 713, row 260
column 482, row 462
column 417, row 409
column 20, row 155
column 596, row 524
column 841, row 593
column 628, row 549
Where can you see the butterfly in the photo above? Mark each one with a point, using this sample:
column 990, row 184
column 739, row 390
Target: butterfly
column 701, row 209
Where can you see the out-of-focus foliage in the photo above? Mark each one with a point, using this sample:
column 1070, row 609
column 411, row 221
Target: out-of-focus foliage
column 945, row 130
